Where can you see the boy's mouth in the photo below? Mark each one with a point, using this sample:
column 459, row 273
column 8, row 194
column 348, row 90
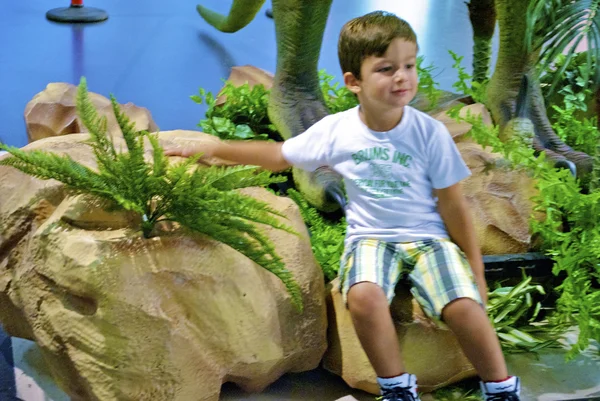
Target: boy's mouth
column 400, row 92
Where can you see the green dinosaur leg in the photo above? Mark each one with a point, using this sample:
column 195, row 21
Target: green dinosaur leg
column 514, row 61
column 296, row 100
column 242, row 12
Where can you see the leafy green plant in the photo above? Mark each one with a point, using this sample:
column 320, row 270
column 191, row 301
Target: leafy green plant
column 457, row 394
column 465, row 83
column 337, row 97
column 514, row 312
column 326, row 236
column 572, row 237
column 427, row 83
column 203, row 200
column 578, row 132
column 574, row 85
column 242, row 116
column 570, row 232
column 556, row 28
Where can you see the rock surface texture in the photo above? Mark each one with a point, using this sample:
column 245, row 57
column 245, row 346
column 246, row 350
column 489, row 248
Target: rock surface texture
column 120, row 317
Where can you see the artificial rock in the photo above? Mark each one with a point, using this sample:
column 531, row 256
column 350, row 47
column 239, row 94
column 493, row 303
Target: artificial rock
column 52, row 112
column 430, row 351
column 120, row 317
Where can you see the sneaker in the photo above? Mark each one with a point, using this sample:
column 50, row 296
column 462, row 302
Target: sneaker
column 404, row 390
column 508, row 390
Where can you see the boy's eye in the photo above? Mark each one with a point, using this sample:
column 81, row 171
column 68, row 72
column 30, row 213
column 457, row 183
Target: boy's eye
column 385, row 69
column 410, row 66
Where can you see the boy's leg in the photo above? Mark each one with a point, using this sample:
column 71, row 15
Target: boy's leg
column 369, row 272
column 443, row 284
column 375, row 329
column 471, row 325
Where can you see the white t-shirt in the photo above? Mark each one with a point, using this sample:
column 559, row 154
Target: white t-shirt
column 389, row 176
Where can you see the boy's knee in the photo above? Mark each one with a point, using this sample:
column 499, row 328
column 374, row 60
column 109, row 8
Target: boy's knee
column 462, row 307
column 365, row 297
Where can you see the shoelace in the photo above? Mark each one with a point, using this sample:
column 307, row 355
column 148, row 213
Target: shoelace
column 397, row 394
column 503, row 396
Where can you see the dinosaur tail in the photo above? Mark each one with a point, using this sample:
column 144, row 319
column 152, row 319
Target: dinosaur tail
column 242, row 12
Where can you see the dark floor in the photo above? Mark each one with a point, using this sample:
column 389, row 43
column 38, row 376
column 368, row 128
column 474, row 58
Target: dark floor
column 156, row 53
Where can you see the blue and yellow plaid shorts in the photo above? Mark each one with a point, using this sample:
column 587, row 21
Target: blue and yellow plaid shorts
column 437, row 271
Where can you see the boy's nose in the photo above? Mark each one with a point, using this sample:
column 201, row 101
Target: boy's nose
column 399, row 76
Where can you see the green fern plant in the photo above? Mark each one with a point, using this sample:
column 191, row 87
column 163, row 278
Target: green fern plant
column 326, row 236
column 204, row 200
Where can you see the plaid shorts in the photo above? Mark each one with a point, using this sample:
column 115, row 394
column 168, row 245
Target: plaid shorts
column 437, row 271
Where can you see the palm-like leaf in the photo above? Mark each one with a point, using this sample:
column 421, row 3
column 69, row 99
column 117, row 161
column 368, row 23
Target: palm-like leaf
column 559, row 26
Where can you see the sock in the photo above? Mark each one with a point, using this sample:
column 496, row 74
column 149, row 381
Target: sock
column 511, row 384
column 499, row 381
column 403, row 380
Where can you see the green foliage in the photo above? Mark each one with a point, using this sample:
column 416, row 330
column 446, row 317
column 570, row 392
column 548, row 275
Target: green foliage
column 477, row 90
column 557, row 27
column 457, row 394
column 461, row 85
column 572, row 237
column 427, row 83
column 337, row 97
column 203, row 200
column 514, row 312
column 573, row 79
column 569, row 231
column 580, row 133
column 326, row 236
column 243, row 115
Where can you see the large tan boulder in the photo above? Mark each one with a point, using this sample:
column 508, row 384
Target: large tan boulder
column 52, row 112
column 120, row 317
column 500, row 198
column 501, row 201
column 429, row 351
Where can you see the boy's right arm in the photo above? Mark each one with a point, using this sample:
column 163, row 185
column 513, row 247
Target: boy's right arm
column 256, row 153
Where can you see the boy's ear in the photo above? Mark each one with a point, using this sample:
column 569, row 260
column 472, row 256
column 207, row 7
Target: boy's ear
column 351, row 82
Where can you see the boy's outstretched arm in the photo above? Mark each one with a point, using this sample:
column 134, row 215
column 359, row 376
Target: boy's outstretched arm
column 455, row 212
column 256, row 153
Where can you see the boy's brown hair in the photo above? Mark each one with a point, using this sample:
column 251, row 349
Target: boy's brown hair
column 370, row 35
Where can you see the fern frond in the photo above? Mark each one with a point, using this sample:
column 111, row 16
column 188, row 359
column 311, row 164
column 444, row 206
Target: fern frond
column 160, row 162
column 134, row 159
column 52, row 166
column 96, row 125
column 254, row 210
column 237, row 177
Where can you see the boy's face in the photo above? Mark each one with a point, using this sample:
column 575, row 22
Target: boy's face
column 389, row 81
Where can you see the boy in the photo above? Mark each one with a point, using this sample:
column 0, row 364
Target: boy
column 395, row 162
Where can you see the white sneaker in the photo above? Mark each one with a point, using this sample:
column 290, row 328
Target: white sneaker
column 404, row 389
column 508, row 390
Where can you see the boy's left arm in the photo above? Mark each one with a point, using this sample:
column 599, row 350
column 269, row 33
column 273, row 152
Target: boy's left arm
column 454, row 210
